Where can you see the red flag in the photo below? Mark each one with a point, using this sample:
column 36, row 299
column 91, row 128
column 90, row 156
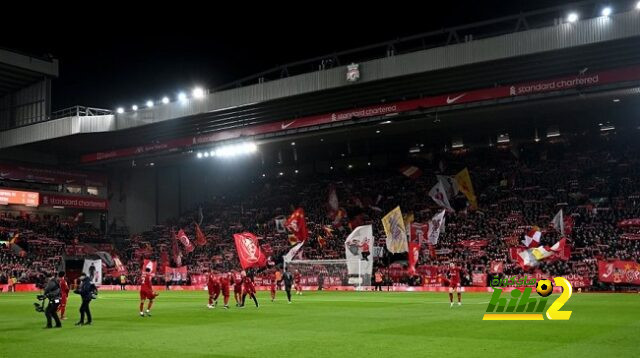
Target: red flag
column 414, row 254
column 297, row 225
column 321, row 241
column 201, row 240
column 249, row 251
column 184, row 239
column 497, row 267
column 175, row 252
column 148, row 264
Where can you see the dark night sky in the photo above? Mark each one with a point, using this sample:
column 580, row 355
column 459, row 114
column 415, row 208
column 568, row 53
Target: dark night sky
column 120, row 57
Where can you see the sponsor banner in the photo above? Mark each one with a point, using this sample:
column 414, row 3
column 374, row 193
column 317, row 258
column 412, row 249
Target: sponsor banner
column 74, row 202
column 622, row 272
column 51, row 175
column 527, row 88
column 199, row 280
column 17, row 197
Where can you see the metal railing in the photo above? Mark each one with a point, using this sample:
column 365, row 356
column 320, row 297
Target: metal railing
column 80, row 111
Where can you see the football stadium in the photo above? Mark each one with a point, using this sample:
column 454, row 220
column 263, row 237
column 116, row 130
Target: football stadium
column 465, row 191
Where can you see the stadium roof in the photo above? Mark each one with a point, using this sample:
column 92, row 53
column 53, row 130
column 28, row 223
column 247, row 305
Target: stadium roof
column 18, row 70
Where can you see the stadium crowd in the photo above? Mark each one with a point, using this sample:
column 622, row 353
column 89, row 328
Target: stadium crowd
column 593, row 180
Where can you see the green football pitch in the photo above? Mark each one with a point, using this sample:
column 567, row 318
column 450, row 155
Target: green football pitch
column 319, row 324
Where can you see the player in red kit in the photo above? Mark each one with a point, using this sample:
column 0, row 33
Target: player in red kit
column 146, row 293
column 454, row 283
column 274, row 282
column 248, row 289
column 225, row 281
column 213, row 285
column 237, row 287
column 297, row 279
column 64, row 292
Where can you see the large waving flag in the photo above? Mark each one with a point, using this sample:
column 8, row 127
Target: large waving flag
column 149, row 264
column 463, row 183
column 297, row 225
column 293, row 252
column 412, row 257
column 201, row 239
column 358, row 242
column 532, row 257
column 558, row 222
column 184, row 239
column 436, row 225
column 395, row 230
column 249, row 252
column 439, row 194
column 532, row 237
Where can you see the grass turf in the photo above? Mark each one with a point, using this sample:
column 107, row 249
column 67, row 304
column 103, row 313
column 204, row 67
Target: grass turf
column 318, row 324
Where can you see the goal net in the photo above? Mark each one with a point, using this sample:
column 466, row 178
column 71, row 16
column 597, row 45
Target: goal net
column 327, row 273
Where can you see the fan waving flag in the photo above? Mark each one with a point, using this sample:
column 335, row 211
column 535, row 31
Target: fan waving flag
column 395, row 230
column 532, row 257
column 436, row 225
column 412, row 257
column 558, row 222
column 201, row 239
column 249, row 252
column 532, row 237
column 297, row 225
column 184, row 239
column 439, row 194
column 463, row 183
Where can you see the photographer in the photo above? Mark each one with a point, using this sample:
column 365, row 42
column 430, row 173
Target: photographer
column 87, row 291
column 52, row 293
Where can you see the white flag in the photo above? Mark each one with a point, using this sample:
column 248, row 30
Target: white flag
column 280, row 224
column 439, row 194
column 294, row 250
column 558, row 222
column 360, row 240
column 436, row 225
column 93, row 269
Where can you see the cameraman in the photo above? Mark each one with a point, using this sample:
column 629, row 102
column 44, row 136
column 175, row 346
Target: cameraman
column 52, row 293
column 87, row 291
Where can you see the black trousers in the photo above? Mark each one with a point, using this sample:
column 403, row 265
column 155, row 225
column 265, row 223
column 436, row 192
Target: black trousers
column 253, row 297
column 378, row 286
column 84, row 310
column 365, row 255
column 288, row 290
column 52, row 312
column 122, row 288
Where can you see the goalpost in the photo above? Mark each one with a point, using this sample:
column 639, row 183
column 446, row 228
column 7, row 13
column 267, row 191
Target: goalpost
column 331, row 272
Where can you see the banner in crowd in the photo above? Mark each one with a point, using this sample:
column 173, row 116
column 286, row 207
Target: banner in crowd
column 616, row 271
column 635, row 222
column 464, row 185
column 411, row 172
column 51, row 175
column 532, row 257
column 120, row 268
column 175, row 274
column 436, row 225
column 412, row 257
column 279, row 221
column 479, row 279
column 357, row 249
column 249, row 252
column 418, row 232
column 496, row 267
column 297, row 225
column 395, row 231
column 93, row 269
column 474, row 244
column 197, row 280
column 148, row 264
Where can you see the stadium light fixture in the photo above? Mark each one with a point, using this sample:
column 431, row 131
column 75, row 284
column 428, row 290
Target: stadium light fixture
column 165, row 100
column 638, row 6
column 206, row 154
column 293, row 143
column 197, row 93
column 331, row 167
column 182, row 97
column 385, row 122
column 616, row 100
column 264, row 175
column 378, row 131
column 134, row 107
column 233, row 150
column 120, row 110
column 149, row 103
column 281, row 173
column 199, row 155
column 573, row 17
column 369, row 163
column 606, row 11
column 296, row 171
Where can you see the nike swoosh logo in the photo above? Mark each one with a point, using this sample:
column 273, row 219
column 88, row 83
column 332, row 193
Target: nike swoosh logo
column 285, row 126
column 451, row 100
